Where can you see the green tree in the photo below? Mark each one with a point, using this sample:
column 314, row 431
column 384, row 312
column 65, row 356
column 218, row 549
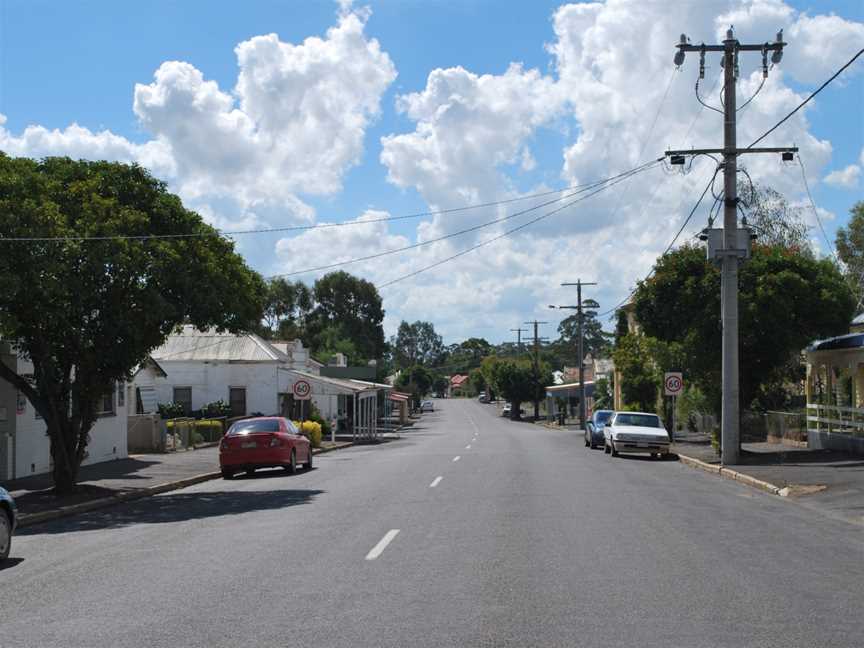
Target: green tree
column 466, row 355
column 286, row 307
column 787, row 299
column 596, row 341
column 353, row 305
column 86, row 312
column 850, row 249
column 416, row 343
column 603, row 394
column 773, row 219
column 478, row 381
column 416, row 380
column 640, row 378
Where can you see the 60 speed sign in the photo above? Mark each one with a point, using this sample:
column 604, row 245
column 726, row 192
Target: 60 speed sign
column 673, row 383
column 302, row 390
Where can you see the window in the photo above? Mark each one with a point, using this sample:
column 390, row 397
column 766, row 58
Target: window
column 237, row 401
column 105, row 407
column 121, row 394
column 183, row 396
column 638, row 420
column 254, row 425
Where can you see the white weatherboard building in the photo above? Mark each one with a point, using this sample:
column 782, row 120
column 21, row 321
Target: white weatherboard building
column 24, row 444
column 253, row 376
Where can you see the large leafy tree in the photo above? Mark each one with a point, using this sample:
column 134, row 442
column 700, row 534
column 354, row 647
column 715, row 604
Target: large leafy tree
column 515, row 380
column 416, row 343
column 596, row 341
column 467, row 355
column 354, row 306
column 416, row 380
column 787, row 299
column 287, row 305
column 850, row 249
column 85, row 312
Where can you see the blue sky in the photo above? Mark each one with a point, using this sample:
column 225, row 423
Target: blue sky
column 78, row 62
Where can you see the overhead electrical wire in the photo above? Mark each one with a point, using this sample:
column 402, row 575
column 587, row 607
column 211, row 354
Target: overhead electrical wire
column 816, row 211
column 295, row 228
column 803, row 103
column 508, row 232
column 619, row 177
column 668, row 247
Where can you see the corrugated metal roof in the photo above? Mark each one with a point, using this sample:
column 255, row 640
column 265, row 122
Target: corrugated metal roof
column 209, row 346
column 849, row 341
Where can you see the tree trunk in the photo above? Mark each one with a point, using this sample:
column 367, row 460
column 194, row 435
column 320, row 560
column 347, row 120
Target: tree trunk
column 64, row 453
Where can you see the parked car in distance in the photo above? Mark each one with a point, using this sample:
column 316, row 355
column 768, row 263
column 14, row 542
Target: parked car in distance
column 482, row 397
column 636, row 432
column 427, row 406
column 8, row 521
column 508, row 408
column 263, row 442
column 594, row 428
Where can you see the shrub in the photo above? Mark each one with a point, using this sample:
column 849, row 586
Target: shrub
column 210, row 430
column 311, row 429
column 216, row 408
column 170, row 410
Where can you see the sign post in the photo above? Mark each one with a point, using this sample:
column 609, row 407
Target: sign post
column 673, row 385
column 302, row 391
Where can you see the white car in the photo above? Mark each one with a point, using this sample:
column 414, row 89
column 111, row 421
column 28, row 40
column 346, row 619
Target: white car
column 636, row 432
column 427, row 406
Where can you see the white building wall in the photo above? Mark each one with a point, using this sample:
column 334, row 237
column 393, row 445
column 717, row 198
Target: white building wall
column 211, row 381
column 32, row 446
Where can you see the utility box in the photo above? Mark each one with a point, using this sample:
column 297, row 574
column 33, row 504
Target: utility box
column 716, row 250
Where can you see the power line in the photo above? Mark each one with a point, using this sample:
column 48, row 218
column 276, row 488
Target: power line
column 803, row 103
column 297, row 228
column 621, row 176
column 668, row 247
column 815, row 211
column 508, row 232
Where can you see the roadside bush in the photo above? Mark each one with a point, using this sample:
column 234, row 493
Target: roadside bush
column 197, row 438
column 320, row 420
column 311, row 429
column 216, row 408
column 209, row 430
column 170, row 410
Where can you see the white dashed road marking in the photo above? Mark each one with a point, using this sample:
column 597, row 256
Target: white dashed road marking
column 456, row 458
column 378, row 549
column 435, row 482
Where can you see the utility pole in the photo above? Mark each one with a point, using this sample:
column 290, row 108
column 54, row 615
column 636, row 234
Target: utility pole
column 735, row 242
column 579, row 283
column 536, row 369
column 519, row 332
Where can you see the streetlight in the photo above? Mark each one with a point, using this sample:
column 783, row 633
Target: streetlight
column 587, row 303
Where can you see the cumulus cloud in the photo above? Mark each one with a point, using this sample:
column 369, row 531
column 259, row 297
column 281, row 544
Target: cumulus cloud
column 292, row 126
column 844, row 178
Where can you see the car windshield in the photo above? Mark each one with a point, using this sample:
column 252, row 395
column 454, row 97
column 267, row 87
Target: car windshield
column 638, row 420
column 254, row 425
column 602, row 417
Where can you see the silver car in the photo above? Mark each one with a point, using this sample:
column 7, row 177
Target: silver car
column 594, row 428
column 8, row 520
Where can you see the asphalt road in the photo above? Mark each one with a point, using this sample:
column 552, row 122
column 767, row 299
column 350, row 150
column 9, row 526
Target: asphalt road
column 528, row 539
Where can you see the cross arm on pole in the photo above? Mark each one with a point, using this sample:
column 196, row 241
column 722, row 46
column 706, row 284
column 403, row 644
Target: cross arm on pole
column 737, row 151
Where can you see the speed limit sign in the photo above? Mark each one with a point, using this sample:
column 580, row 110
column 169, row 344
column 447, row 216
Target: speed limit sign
column 673, row 383
column 302, row 390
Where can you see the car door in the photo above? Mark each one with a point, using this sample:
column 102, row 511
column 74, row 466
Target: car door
column 299, row 441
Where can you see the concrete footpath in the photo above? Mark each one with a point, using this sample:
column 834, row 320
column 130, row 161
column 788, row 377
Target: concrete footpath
column 829, row 481
column 110, row 482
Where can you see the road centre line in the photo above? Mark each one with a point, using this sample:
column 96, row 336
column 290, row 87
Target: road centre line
column 457, row 458
column 468, row 447
column 378, row 549
column 436, row 481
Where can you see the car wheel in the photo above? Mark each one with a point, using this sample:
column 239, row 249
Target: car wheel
column 5, row 535
column 291, row 467
column 612, row 449
column 308, row 465
column 227, row 474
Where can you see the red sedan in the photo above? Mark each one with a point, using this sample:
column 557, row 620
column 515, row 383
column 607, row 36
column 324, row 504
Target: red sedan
column 263, row 442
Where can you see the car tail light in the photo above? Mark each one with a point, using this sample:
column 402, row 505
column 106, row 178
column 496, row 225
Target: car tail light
column 275, row 441
column 224, row 445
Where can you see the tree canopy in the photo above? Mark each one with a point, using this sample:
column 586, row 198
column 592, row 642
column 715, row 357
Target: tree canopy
column 347, row 308
column 850, row 249
column 86, row 312
column 416, row 343
column 787, row 298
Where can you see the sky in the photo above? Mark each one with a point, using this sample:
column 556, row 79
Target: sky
column 276, row 113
